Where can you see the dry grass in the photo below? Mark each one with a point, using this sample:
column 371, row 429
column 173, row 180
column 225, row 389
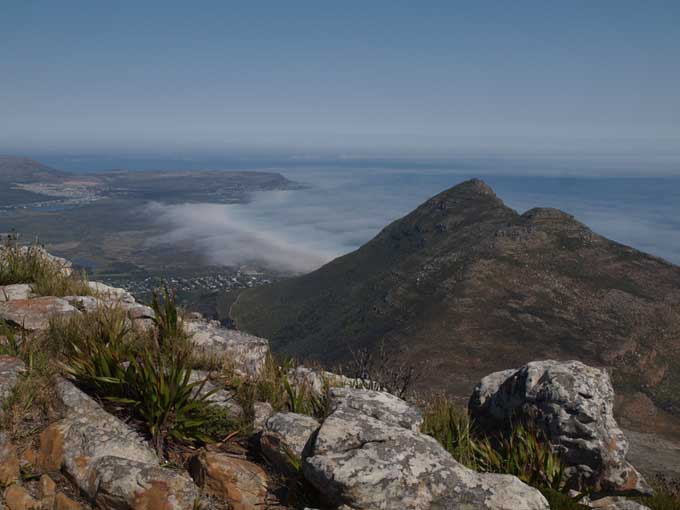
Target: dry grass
column 31, row 264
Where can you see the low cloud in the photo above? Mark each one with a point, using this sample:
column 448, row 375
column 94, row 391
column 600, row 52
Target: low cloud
column 299, row 230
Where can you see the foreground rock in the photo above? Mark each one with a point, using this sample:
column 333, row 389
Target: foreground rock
column 242, row 483
column 365, row 463
column 108, row 461
column 573, row 403
column 247, row 353
column 35, row 314
column 285, row 437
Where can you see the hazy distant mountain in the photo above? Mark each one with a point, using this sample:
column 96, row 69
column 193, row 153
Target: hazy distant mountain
column 25, row 170
column 469, row 286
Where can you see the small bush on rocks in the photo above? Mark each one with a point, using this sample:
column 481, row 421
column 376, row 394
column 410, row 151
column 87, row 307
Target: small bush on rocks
column 523, row 452
column 149, row 380
column 30, row 264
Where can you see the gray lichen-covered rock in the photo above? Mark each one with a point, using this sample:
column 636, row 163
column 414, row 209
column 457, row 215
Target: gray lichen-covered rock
column 574, row 404
column 107, row 460
column 285, row 437
column 118, row 483
column 17, row 291
column 247, row 353
column 35, row 314
column 262, row 412
column 380, row 405
column 10, row 369
column 364, row 463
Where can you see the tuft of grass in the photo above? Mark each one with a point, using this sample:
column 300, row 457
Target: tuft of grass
column 168, row 320
column 26, row 409
column 523, row 452
column 30, row 264
column 275, row 387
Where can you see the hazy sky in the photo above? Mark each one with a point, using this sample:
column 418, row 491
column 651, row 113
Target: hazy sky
column 358, row 77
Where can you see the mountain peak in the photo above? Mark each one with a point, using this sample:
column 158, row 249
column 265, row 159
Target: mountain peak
column 475, row 185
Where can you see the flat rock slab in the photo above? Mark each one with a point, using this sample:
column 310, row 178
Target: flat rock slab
column 247, row 352
column 35, row 314
column 367, row 464
column 17, row 291
column 382, row 406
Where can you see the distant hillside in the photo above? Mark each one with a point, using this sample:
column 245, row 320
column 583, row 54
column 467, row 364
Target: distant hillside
column 25, row 170
column 468, row 286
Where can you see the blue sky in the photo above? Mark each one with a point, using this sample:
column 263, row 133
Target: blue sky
column 355, row 78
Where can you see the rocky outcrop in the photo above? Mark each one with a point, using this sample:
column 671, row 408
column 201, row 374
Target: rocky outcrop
column 108, row 461
column 285, row 437
column 365, row 463
column 573, row 404
column 246, row 353
column 35, row 314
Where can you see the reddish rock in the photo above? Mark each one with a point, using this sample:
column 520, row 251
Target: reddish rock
column 34, row 314
column 17, row 498
column 242, row 483
column 9, row 462
column 51, row 455
column 47, row 486
column 63, row 502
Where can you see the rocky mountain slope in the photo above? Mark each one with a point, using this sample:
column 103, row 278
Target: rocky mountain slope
column 465, row 285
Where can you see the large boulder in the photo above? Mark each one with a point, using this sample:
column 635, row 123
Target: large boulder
column 246, row 353
column 365, row 463
column 109, row 462
column 285, row 437
column 573, row 404
column 35, row 314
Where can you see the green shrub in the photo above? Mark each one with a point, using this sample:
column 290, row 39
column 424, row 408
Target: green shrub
column 274, row 386
column 118, row 364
